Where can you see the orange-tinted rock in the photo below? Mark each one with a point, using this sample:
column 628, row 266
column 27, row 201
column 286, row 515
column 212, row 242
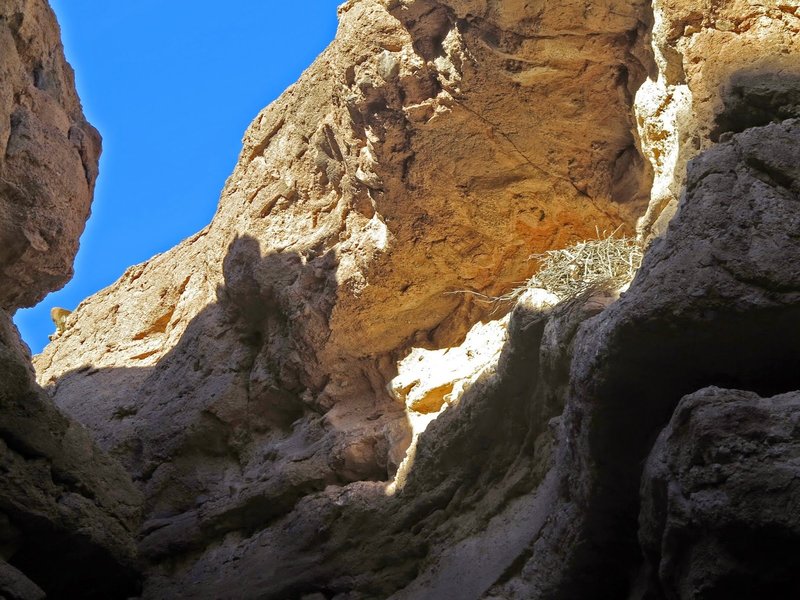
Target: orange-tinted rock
column 707, row 59
column 429, row 151
column 242, row 376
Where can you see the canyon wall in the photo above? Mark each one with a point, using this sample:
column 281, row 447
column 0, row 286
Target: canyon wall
column 246, row 378
column 69, row 514
column 247, row 368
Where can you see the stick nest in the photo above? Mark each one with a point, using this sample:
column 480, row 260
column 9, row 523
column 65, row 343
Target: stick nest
column 608, row 261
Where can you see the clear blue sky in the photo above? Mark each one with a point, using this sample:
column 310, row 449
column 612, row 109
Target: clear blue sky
column 171, row 86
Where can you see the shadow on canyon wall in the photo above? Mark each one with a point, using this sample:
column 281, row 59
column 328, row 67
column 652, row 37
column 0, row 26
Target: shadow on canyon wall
column 757, row 97
column 218, row 449
column 226, row 431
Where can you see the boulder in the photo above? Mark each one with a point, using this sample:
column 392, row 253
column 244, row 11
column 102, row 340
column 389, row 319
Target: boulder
column 720, row 512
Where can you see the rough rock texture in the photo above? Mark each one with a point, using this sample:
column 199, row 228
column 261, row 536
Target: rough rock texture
column 529, row 487
column 68, row 513
column 242, row 377
column 717, row 302
column 431, row 149
column 722, row 67
column 15, row 586
column 48, row 156
column 720, row 495
column 470, row 496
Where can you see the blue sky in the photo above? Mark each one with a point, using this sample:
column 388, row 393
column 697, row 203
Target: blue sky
column 171, row 86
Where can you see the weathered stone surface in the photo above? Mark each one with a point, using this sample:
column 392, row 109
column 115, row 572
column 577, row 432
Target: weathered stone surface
column 242, row 376
column 720, row 513
column 68, row 513
column 431, row 149
column 709, row 59
column 717, row 302
column 15, row 586
column 48, row 156
column 467, row 509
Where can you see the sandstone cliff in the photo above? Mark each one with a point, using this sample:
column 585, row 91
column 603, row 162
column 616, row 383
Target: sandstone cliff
column 610, row 447
column 68, row 513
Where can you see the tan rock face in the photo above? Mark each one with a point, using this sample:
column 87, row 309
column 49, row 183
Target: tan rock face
column 48, row 156
column 431, row 149
column 242, row 376
column 396, row 170
column 69, row 513
column 708, row 59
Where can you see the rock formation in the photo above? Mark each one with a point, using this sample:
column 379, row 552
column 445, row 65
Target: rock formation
column 722, row 67
column 68, row 513
column 248, row 367
column 49, row 156
column 609, row 447
column 717, row 516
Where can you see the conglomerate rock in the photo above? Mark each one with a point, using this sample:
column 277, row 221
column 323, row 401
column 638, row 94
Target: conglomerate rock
column 69, row 514
column 529, row 485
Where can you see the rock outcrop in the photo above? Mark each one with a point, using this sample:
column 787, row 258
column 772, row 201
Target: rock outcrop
column 722, row 67
column 69, row 514
column 717, row 302
column 243, row 377
column 248, row 367
column 719, row 498
column 48, row 156
column 532, row 484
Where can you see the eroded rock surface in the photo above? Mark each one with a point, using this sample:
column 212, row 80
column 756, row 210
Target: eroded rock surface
column 719, row 498
column 428, row 152
column 48, row 156
column 722, row 67
column 242, row 377
column 69, row 514
column 717, row 302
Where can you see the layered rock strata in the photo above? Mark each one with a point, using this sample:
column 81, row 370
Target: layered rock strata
column 68, row 513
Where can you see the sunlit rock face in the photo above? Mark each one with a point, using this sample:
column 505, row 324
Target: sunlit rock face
column 257, row 380
column 722, row 69
column 48, row 157
column 69, row 514
column 427, row 153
